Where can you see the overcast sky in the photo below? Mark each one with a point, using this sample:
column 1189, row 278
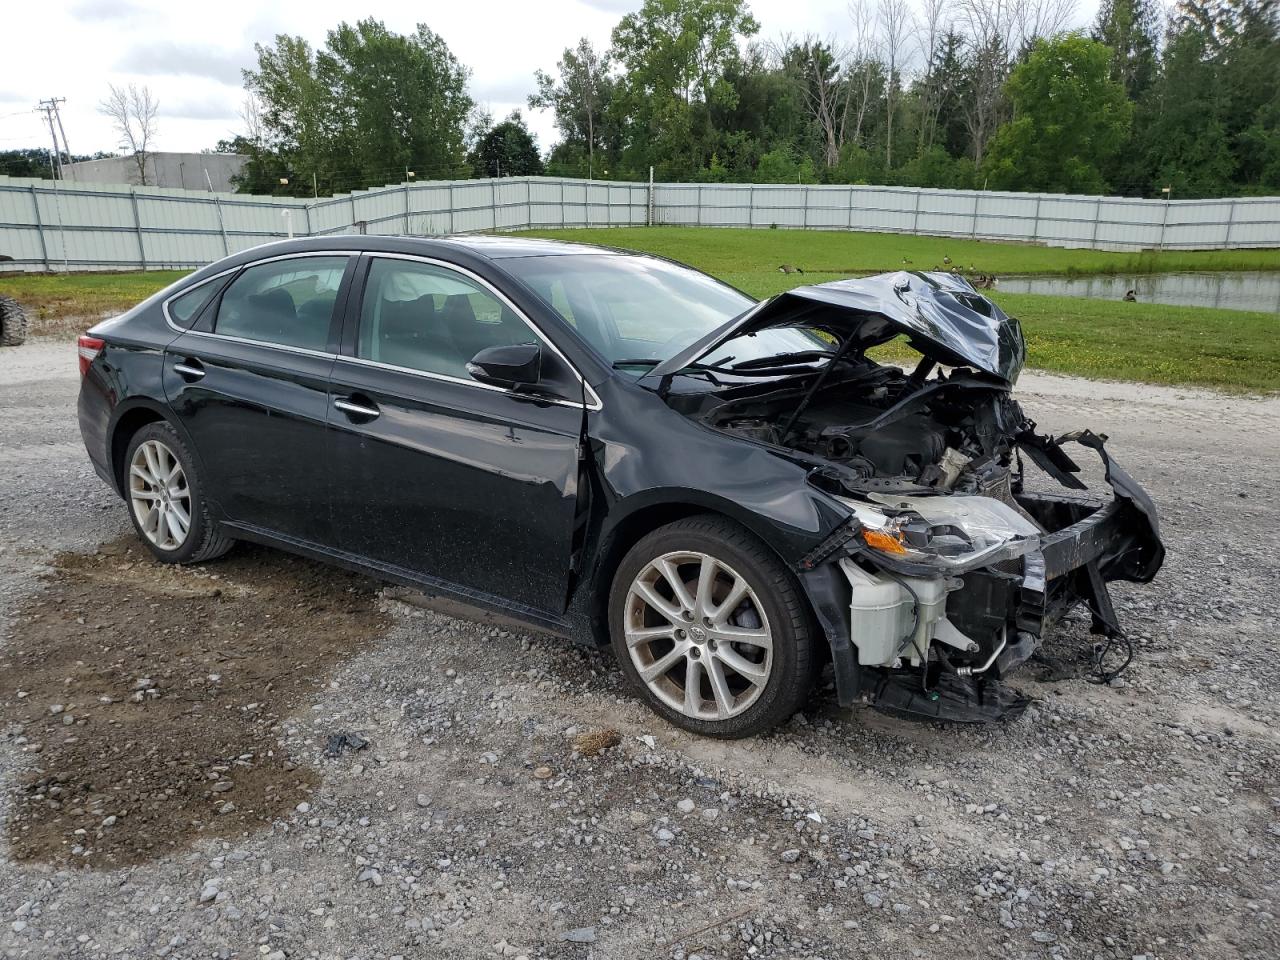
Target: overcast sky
column 191, row 55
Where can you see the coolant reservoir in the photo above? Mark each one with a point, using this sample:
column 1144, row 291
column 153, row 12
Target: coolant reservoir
column 880, row 612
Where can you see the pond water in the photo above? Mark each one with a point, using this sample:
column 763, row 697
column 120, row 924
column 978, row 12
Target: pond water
column 1240, row 290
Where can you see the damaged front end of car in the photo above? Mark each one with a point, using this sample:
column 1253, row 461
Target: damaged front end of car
column 953, row 561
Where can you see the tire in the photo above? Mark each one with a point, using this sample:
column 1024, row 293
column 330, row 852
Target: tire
column 13, row 323
column 153, row 451
column 761, row 681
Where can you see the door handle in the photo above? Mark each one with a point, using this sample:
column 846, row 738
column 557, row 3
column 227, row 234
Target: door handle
column 190, row 368
column 356, row 410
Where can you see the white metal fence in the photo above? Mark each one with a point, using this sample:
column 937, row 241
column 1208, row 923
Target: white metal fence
column 48, row 226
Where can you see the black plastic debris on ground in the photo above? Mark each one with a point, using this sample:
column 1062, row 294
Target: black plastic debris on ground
column 344, row 741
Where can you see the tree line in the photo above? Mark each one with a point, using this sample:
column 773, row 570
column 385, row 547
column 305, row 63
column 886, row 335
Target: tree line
column 996, row 94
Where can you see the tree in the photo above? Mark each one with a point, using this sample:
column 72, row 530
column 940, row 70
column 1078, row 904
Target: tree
column 675, row 54
column 579, row 98
column 895, row 21
column 990, row 30
column 132, row 111
column 35, row 162
column 1129, row 28
column 363, row 111
column 865, row 72
column 781, row 165
column 817, row 68
column 1069, row 119
column 507, row 150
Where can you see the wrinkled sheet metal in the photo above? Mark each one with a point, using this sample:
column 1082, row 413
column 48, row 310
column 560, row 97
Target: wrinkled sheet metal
column 943, row 315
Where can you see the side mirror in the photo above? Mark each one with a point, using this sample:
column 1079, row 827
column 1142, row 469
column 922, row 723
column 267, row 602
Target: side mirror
column 508, row 366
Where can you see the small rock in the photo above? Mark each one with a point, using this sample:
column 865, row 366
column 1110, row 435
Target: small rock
column 580, row 935
column 542, row 773
column 789, row 856
column 686, row 806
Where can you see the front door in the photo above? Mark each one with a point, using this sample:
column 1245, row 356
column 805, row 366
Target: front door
column 251, row 389
column 458, row 482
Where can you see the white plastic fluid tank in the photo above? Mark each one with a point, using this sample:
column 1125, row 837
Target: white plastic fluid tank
column 881, row 614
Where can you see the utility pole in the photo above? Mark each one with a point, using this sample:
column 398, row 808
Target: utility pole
column 58, row 116
column 49, row 108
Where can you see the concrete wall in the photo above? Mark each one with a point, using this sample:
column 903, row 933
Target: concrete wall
column 186, row 171
column 66, row 225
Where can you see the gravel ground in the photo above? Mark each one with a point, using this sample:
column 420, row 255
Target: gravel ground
column 513, row 800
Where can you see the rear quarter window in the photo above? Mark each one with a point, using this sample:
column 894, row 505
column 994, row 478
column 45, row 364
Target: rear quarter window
column 185, row 308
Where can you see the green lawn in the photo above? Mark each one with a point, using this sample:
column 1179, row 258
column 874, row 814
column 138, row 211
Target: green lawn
column 736, row 255
column 58, row 303
column 1227, row 349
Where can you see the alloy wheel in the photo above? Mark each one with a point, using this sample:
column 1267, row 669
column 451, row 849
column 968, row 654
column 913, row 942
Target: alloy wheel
column 160, row 495
column 698, row 635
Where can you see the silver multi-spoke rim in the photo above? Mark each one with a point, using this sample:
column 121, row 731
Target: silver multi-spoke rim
column 698, row 635
column 160, row 495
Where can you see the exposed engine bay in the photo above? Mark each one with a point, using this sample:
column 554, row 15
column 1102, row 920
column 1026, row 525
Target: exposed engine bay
column 887, row 430
column 949, row 569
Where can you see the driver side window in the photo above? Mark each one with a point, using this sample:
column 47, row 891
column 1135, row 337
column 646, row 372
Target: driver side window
column 431, row 319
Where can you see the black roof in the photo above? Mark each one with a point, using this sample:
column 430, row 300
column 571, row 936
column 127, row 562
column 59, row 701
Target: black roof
column 486, row 246
column 499, row 247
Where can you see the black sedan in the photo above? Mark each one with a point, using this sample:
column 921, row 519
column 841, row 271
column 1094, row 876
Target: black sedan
column 620, row 449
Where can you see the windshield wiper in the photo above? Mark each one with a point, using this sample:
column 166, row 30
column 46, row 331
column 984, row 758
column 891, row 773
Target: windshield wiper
column 638, row 362
column 783, row 360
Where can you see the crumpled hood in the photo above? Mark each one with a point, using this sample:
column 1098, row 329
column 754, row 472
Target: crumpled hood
column 945, row 318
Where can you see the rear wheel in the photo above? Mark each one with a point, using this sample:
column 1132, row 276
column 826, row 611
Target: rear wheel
column 710, row 629
column 166, row 501
column 13, row 323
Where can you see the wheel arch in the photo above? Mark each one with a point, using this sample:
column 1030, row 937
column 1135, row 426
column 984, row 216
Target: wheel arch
column 129, row 418
column 644, row 514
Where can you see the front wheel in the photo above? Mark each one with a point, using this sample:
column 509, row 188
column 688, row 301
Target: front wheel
column 710, row 628
column 166, row 501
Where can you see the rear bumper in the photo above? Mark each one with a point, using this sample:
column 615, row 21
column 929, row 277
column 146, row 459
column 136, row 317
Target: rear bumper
column 93, row 412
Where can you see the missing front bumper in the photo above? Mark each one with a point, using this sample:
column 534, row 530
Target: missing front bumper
column 998, row 613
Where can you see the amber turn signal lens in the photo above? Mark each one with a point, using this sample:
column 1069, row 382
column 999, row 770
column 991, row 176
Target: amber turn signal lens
column 880, row 540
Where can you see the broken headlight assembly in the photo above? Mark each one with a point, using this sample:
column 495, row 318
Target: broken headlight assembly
column 947, row 533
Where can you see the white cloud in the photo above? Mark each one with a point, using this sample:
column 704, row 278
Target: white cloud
column 168, row 58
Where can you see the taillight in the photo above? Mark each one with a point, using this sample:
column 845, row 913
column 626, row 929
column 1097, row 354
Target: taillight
column 88, row 348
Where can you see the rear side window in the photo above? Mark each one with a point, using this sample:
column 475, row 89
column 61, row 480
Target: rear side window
column 429, row 318
column 184, row 309
column 287, row 302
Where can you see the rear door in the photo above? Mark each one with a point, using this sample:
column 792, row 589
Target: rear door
column 250, row 384
column 464, row 483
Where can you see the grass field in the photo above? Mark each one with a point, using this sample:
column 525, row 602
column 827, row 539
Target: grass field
column 1226, row 349
column 731, row 254
column 59, row 303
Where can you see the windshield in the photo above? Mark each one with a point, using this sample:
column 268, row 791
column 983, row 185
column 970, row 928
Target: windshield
column 772, row 347
column 635, row 310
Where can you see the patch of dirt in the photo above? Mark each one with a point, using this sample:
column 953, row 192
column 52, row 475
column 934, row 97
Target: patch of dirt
column 151, row 697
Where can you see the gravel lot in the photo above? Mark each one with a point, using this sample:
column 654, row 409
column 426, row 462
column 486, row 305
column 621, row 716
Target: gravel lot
column 166, row 791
